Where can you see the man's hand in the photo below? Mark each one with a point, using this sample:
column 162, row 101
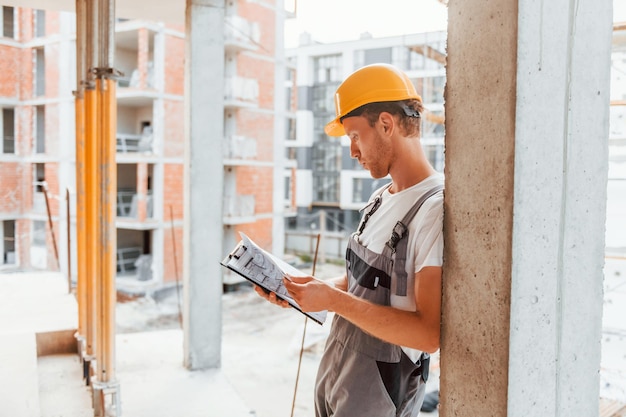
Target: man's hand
column 271, row 297
column 310, row 293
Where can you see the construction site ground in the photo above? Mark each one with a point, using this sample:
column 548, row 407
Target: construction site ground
column 260, row 354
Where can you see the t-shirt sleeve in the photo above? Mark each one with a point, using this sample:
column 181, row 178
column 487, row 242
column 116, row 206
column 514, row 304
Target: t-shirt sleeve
column 430, row 237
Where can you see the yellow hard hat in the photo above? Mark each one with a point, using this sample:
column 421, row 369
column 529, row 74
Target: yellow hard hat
column 369, row 84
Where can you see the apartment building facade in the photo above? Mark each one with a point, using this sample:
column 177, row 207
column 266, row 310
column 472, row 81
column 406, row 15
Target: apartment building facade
column 331, row 186
column 37, row 158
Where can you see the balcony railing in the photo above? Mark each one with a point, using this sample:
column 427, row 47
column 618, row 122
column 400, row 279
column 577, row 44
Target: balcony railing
column 127, row 204
column 133, row 143
column 241, row 34
column 240, row 147
column 239, row 91
column 237, row 208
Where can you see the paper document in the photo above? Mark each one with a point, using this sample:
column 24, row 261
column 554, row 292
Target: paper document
column 265, row 270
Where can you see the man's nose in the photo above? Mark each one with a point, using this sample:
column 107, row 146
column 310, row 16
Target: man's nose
column 354, row 150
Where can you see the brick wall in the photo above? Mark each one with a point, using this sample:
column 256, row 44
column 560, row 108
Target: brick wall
column 257, row 181
column 260, row 232
column 259, row 126
column 11, row 188
column 172, row 207
column 251, row 67
column 174, row 129
column 11, row 73
column 266, row 19
column 175, row 67
column 172, row 252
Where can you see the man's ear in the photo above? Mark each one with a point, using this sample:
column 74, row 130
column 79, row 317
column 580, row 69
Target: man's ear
column 387, row 122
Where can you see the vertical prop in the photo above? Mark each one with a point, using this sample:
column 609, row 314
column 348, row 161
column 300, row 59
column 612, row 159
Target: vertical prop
column 81, row 245
column 69, row 240
column 106, row 394
column 91, row 188
column 107, row 168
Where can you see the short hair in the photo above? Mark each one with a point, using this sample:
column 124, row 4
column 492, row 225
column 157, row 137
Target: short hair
column 408, row 112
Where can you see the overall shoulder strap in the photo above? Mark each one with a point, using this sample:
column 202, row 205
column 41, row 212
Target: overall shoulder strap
column 398, row 242
column 375, row 203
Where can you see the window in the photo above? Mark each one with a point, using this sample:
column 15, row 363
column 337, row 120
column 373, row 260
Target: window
column 8, row 22
column 326, row 170
column 327, row 156
column 291, row 128
column 291, row 90
column 40, row 23
column 40, row 72
column 7, row 245
column 40, row 177
column 400, row 56
column 287, row 189
column 357, row 191
column 326, row 188
column 327, row 69
column 8, row 130
column 40, row 129
column 323, row 98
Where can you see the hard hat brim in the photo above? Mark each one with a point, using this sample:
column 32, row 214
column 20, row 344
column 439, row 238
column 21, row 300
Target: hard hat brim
column 335, row 128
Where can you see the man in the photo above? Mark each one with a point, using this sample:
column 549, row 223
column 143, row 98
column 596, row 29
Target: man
column 387, row 306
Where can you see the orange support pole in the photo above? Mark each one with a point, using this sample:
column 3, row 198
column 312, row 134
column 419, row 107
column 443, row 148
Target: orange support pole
column 92, row 222
column 108, row 240
column 81, row 236
column 105, row 387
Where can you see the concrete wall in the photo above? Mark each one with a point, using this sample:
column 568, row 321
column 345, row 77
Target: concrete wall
column 480, row 148
column 526, row 166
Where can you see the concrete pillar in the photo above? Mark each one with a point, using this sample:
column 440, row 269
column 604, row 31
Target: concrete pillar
column 280, row 133
column 204, row 117
column 526, row 168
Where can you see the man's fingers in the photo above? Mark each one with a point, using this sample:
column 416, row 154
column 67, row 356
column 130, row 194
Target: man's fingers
column 298, row 280
column 270, row 296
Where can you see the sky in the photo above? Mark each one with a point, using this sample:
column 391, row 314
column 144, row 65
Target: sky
column 345, row 20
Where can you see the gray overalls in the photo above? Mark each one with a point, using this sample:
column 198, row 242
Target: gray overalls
column 359, row 374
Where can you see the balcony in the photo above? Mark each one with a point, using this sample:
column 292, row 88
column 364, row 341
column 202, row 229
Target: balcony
column 239, row 209
column 241, row 34
column 127, row 201
column 127, row 143
column 239, row 149
column 241, row 92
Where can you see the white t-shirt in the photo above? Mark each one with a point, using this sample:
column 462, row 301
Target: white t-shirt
column 425, row 245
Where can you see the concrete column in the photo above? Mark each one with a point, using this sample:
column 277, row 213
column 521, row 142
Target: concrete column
column 280, row 118
column 203, row 232
column 526, row 168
